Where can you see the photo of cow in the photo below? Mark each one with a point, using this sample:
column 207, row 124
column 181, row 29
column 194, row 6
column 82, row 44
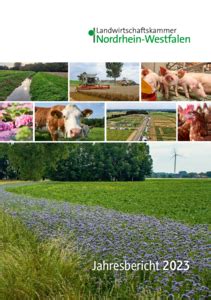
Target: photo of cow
column 69, row 122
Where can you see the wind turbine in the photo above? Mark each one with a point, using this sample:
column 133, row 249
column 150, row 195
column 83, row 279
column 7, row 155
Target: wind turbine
column 175, row 155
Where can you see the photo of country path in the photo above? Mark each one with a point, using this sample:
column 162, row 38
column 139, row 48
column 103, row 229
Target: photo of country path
column 104, row 81
column 141, row 122
column 16, row 122
column 67, row 210
column 194, row 121
column 69, row 122
column 176, row 81
column 33, row 81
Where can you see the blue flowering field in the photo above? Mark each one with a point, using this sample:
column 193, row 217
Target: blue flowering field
column 126, row 227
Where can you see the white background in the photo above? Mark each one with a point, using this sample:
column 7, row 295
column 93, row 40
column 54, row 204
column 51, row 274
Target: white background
column 50, row 30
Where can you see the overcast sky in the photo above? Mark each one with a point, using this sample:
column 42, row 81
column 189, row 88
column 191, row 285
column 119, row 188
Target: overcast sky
column 129, row 70
column 196, row 156
column 98, row 108
column 141, row 105
column 12, row 64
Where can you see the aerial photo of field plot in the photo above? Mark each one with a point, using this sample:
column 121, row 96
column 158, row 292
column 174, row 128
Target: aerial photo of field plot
column 33, row 81
column 104, row 81
column 69, row 122
column 141, row 122
column 176, row 81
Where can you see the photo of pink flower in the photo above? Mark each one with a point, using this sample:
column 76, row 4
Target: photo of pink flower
column 16, row 121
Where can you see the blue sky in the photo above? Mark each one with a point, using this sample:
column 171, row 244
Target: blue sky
column 196, row 156
column 129, row 70
column 98, row 108
column 142, row 105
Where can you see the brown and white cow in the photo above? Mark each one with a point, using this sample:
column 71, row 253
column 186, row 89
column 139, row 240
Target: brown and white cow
column 62, row 119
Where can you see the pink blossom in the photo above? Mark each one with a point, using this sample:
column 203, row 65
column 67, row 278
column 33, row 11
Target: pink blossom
column 24, row 120
column 4, row 126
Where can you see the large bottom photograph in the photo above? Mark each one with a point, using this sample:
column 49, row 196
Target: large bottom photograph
column 105, row 221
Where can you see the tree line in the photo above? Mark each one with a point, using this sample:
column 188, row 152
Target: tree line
column 75, row 162
column 38, row 67
column 95, row 122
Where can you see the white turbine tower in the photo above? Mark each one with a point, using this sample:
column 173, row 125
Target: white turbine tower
column 175, row 155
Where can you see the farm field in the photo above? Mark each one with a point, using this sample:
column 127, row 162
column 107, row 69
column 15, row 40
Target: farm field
column 60, row 238
column 148, row 197
column 95, row 134
column 9, row 80
column 120, row 128
column 162, row 126
column 43, row 86
column 48, row 87
column 115, row 93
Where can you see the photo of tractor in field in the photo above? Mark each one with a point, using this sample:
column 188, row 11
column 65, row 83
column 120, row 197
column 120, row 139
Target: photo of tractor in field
column 104, row 82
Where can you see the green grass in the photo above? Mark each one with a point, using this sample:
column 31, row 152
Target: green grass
column 30, row 269
column 48, row 87
column 118, row 135
column 95, row 134
column 9, row 80
column 75, row 82
column 185, row 200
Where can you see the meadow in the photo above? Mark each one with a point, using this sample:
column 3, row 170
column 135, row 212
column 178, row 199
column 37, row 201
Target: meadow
column 118, row 135
column 49, row 87
column 174, row 199
column 9, row 80
column 95, row 134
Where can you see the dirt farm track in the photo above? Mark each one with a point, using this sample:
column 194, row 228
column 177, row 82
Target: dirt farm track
column 115, row 93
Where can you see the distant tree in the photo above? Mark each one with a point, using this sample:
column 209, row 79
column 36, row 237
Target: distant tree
column 104, row 162
column 76, row 162
column 17, row 66
column 32, row 161
column 208, row 174
column 46, row 67
column 4, row 68
column 114, row 70
column 3, row 167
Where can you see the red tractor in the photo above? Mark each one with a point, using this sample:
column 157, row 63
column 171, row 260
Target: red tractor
column 90, row 82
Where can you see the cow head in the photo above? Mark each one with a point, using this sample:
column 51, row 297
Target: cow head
column 72, row 119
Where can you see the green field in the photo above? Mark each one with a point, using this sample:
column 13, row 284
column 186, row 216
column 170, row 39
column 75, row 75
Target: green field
column 163, row 126
column 128, row 122
column 118, row 135
column 75, row 82
column 9, row 80
column 48, row 87
column 95, row 134
column 185, row 200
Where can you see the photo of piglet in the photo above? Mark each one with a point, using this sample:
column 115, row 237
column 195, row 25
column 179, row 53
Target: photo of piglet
column 175, row 81
column 194, row 122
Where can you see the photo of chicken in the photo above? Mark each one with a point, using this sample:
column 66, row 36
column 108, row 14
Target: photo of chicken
column 194, row 122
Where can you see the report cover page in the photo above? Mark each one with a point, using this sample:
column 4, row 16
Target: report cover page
column 105, row 150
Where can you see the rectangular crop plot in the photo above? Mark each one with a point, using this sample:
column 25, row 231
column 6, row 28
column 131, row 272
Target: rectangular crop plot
column 162, row 126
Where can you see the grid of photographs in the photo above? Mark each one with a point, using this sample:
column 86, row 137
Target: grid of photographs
column 105, row 102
